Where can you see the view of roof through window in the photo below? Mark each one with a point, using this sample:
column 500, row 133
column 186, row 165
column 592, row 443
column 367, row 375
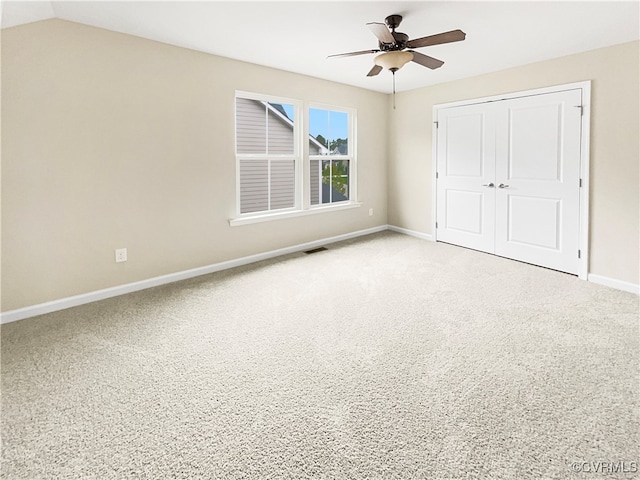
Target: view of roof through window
column 327, row 124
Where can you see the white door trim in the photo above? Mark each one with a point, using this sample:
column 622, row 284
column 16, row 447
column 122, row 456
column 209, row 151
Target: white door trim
column 585, row 88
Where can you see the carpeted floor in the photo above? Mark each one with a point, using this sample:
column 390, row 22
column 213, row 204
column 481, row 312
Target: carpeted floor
column 385, row 357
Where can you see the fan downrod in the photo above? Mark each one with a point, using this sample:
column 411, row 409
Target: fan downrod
column 393, row 21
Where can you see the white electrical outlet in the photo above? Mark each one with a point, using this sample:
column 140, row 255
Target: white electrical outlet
column 121, row 255
column 371, row 212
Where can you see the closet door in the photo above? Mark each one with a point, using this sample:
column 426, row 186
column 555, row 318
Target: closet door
column 537, row 179
column 466, row 176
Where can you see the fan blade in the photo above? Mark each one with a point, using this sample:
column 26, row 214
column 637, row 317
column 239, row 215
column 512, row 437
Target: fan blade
column 351, row 54
column 446, row 37
column 381, row 31
column 426, row 61
column 374, row 71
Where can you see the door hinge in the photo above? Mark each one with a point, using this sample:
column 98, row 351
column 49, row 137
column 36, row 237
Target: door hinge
column 581, row 107
column 436, row 175
column 580, row 183
column 436, row 224
column 578, row 253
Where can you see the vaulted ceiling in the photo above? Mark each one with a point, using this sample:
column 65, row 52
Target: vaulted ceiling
column 298, row 36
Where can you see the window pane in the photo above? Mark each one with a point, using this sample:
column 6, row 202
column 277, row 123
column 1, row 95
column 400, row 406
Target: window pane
column 331, row 129
column 339, row 180
column 263, row 127
column 326, row 181
column 335, row 181
column 339, row 133
column 251, row 126
column 282, row 184
column 254, row 188
column 319, row 127
column 280, row 129
column 314, row 181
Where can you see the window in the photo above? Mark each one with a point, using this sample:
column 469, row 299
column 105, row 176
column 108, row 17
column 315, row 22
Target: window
column 331, row 162
column 268, row 154
column 272, row 179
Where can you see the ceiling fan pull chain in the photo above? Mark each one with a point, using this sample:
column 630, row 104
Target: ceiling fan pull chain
column 394, row 89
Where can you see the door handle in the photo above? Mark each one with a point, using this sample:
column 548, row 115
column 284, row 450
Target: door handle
column 490, row 185
column 502, row 185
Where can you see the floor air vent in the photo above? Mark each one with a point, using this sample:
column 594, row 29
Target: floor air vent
column 315, row 250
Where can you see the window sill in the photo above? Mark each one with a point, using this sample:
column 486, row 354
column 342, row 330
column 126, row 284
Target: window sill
column 266, row 217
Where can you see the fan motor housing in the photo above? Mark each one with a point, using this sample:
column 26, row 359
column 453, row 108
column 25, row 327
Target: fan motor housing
column 400, row 44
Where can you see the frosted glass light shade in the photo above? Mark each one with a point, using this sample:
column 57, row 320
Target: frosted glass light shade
column 393, row 60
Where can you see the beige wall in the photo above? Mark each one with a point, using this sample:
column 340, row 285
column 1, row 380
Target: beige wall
column 615, row 156
column 112, row 141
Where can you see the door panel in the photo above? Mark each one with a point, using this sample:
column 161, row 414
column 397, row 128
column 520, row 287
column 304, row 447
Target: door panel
column 465, row 153
column 538, row 164
column 535, row 143
column 543, row 233
column 466, row 161
column 464, row 212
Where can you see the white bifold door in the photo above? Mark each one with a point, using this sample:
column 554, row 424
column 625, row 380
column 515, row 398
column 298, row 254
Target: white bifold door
column 508, row 178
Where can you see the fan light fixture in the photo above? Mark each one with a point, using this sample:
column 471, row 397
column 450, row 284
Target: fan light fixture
column 393, row 61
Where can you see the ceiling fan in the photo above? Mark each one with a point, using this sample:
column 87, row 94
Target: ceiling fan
column 396, row 47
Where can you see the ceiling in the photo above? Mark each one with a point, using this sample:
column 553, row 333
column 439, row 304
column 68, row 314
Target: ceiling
column 298, row 36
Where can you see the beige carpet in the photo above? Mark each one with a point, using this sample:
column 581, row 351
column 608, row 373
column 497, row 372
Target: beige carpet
column 385, row 357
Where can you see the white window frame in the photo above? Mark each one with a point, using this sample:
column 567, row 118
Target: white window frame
column 351, row 157
column 302, row 162
column 296, row 156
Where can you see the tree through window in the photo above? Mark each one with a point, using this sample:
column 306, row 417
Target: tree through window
column 330, row 179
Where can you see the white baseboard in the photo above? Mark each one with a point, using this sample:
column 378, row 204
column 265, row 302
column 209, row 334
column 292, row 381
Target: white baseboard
column 613, row 283
column 599, row 279
column 413, row 233
column 61, row 304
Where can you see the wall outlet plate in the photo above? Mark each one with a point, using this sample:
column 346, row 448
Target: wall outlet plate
column 121, row 255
